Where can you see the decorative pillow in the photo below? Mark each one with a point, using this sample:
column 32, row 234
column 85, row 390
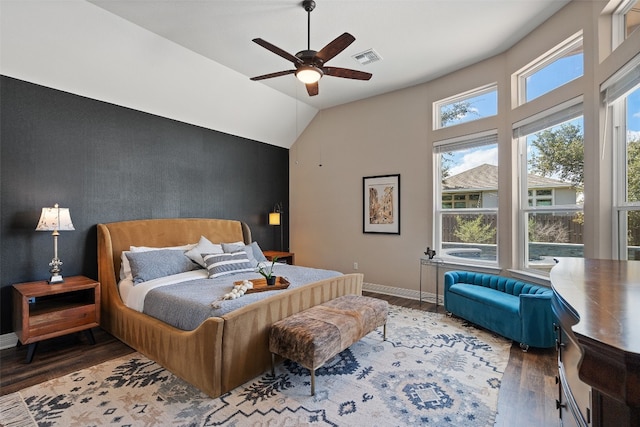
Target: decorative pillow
column 150, row 265
column 125, row 268
column 254, row 253
column 229, row 263
column 257, row 253
column 204, row 246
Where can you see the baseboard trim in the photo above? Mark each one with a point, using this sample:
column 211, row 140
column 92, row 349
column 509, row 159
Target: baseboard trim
column 8, row 340
column 402, row 293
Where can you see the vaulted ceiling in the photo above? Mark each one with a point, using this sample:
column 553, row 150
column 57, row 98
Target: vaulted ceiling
column 418, row 40
column 191, row 60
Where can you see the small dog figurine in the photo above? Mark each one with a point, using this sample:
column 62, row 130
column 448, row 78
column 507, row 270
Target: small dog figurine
column 430, row 252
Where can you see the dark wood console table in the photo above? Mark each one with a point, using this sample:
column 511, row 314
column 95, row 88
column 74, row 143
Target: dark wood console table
column 597, row 303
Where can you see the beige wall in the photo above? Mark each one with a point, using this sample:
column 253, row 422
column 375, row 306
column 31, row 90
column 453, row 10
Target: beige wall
column 392, row 134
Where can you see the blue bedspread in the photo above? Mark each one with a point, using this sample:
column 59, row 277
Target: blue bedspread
column 187, row 304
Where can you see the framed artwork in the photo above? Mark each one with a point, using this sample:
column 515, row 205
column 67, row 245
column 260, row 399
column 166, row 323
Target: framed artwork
column 381, row 204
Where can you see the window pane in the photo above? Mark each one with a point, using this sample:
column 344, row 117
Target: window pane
column 632, row 19
column 555, row 234
column 469, row 236
column 555, row 164
column 466, row 107
column 633, row 146
column 633, row 232
column 565, row 68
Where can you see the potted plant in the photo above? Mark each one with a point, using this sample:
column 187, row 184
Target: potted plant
column 267, row 271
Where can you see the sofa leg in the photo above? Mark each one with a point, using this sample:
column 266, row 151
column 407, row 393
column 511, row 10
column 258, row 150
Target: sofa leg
column 524, row 347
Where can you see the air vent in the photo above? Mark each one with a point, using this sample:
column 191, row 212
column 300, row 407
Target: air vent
column 367, row 57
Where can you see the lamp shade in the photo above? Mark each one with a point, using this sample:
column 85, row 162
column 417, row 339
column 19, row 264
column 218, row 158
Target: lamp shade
column 55, row 219
column 274, row 218
column 308, row 74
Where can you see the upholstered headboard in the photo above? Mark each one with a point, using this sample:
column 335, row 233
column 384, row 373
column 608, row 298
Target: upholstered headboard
column 169, row 232
column 115, row 237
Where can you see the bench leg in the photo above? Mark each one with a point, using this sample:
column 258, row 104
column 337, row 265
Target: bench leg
column 384, row 332
column 273, row 364
column 313, row 382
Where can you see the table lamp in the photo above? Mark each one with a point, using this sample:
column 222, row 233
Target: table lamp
column 55, row 219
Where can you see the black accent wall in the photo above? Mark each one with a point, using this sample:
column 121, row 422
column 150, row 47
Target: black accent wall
column 108, row 163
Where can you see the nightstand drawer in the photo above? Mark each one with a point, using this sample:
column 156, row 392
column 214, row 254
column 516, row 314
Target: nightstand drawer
column 67, row 320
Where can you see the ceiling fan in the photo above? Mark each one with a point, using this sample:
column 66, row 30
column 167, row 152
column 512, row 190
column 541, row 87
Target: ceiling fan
column 310, row 65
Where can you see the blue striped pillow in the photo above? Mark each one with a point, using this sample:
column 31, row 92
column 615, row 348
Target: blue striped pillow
column 229, row 263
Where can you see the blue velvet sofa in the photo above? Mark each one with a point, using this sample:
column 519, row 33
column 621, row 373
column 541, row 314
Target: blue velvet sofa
column 517, row 310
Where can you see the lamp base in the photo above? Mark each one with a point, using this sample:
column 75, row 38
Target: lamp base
column 55, row 279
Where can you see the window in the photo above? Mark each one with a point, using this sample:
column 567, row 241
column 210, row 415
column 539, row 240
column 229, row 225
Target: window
column 622, row 95
column 557, row 67
column 551, row 170
column 626, row 20
column 466, row 198
column 540, row 197
column 466, row 107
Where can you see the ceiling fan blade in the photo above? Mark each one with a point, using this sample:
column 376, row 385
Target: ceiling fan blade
column 339, row 44
column 271, row 75
column 275, row 49
column 346, row 73
column 312, row 88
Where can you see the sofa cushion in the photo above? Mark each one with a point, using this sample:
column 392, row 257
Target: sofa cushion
column 487, row 296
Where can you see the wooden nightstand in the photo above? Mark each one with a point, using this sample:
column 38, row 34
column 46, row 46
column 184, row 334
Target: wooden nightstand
column 42, row 311
column 286, row 257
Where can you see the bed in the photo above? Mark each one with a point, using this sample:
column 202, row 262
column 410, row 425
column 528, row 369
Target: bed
column 224, row 351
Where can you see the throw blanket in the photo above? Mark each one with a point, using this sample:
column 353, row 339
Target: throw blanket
column 187, row 304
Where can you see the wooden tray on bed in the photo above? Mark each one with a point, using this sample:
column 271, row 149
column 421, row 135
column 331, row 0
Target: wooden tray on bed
column 260, row 285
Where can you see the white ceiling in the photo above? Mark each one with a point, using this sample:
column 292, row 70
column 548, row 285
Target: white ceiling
column 418, row 40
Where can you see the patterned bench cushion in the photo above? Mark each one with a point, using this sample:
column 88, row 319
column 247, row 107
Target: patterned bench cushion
column 314, row 336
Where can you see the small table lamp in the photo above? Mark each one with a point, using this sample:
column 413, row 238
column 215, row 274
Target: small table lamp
column 55, row 219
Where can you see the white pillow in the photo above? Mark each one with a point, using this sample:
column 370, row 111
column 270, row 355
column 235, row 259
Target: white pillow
column 125, row 267
column 204, row 246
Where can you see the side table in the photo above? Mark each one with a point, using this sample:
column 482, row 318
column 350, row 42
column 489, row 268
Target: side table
column 431, row 261
column 286, row 257
column 42, row 311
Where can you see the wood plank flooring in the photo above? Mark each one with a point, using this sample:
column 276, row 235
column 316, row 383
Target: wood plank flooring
column 527, row 394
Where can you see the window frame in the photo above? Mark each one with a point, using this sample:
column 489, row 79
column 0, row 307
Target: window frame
column 519, row 79
column 614, row 93
column 458, row 144
column 555, row 116
column 473, row 93
column 619, row 22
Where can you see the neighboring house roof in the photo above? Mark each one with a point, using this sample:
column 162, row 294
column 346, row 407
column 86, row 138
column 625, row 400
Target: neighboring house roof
column 485, row 177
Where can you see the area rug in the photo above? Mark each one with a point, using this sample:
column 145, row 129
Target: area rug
column 431, row 370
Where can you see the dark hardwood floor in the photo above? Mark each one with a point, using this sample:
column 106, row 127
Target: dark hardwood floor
column 527, row 394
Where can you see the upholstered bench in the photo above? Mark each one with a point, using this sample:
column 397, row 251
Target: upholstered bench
column 314, row 336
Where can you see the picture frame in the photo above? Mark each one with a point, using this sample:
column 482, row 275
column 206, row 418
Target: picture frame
column 381, row 204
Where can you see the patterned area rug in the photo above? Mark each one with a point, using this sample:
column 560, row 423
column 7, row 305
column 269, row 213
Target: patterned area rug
column 432, row 370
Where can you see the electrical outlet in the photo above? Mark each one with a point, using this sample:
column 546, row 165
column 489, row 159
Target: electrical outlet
column 355, row 265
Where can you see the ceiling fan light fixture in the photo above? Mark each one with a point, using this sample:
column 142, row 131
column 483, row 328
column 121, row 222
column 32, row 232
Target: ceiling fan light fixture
column 308, row 74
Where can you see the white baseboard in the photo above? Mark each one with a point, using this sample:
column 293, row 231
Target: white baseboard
column 401, row 292
column 8, row 340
